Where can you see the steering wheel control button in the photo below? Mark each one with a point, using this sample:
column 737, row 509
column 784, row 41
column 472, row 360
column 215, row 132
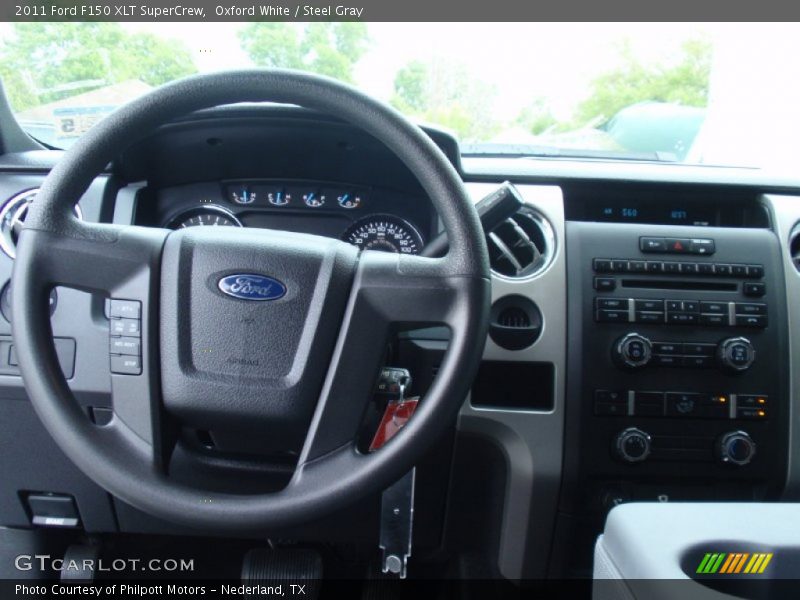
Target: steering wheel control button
column 736, row 354
column 126, row 365
column 125, row 332
column 125, row 309
column 632, row 445
column 126, row 327
column 632, row 351
column 125, row 345
column 736, row 448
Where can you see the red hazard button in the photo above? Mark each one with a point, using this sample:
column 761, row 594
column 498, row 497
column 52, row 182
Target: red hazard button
column 678, row 246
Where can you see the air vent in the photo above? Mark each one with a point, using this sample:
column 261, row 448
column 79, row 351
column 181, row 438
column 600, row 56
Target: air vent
column 513, row 317
column 12, row 216
column 794, row 246
column 522, row 245
column 515, row 322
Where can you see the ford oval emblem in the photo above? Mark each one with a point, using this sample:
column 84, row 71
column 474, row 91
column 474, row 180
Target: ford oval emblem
column 250, row 286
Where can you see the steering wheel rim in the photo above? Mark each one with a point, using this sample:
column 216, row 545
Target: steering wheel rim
column 127, row 457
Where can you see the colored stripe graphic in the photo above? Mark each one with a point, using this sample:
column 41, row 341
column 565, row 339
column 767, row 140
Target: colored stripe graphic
column 727, row 564
column 734, row 563
column 767, row 558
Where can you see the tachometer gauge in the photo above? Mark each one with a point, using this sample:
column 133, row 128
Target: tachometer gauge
column 204, row 216
column 386, row 233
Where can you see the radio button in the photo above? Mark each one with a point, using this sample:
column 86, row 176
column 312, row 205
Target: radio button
column 739, row 270
column 705, row 268
column 755, row 271
column 702, row 246
column 666, row 360
column 700, row 349
column 751, row 321
column 602, row 265
column 722, row 270
column 714, row 320
column 612, row 303
column 672, row 267
column 619, row 266
column 611, row 316
column 751, row 308
column 754, row 290
column 652, row 244
column 655, row 267
column 674, row 305
column 697, row 362
column 691, row 306
column 604, row 284
column 636, row 266
column 682, row 318
column 689, row 268
column 666, row 348
column 714, row 307
column 649, row 317
column 650, row 305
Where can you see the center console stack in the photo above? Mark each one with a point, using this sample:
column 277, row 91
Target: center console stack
column 678, row 366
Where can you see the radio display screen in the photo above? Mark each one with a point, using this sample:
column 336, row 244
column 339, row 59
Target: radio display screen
column 676, row 214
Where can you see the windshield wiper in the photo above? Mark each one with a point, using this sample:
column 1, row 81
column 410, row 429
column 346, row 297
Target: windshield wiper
column 534, row 151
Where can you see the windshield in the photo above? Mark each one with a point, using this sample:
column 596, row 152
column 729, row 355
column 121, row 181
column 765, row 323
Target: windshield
column 694, row 93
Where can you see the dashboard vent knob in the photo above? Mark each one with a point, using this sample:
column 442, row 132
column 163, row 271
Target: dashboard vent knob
column 12, row 216
column 521, row 245
column 794, row 246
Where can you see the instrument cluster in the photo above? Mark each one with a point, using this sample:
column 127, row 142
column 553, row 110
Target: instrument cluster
column 368, row 217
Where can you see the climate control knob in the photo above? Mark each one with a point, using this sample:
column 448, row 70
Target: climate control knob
column 632, row 351
column 632, row 445
column 736, row 354
column 736, row 448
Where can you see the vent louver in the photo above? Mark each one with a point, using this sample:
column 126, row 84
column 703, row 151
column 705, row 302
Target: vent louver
column 522, row 245
column 12, row 216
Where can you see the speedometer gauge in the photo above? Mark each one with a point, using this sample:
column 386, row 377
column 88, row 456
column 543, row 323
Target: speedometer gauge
column 385, row 233
column 204, row 216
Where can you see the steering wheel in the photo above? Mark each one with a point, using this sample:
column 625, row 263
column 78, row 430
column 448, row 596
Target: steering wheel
column 297, row 366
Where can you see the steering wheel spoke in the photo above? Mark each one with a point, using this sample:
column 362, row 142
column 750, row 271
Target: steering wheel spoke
column 390, row 293
column 122, row 263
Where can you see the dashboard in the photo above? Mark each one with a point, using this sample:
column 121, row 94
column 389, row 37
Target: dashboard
column 662, row 358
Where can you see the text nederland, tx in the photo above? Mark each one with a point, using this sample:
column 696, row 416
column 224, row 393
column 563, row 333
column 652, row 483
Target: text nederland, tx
column 172, row 590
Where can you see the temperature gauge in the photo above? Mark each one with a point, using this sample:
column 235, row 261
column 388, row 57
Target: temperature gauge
column 279, row 197
column 242, row 195
column 314, row 199
column 349, row 200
